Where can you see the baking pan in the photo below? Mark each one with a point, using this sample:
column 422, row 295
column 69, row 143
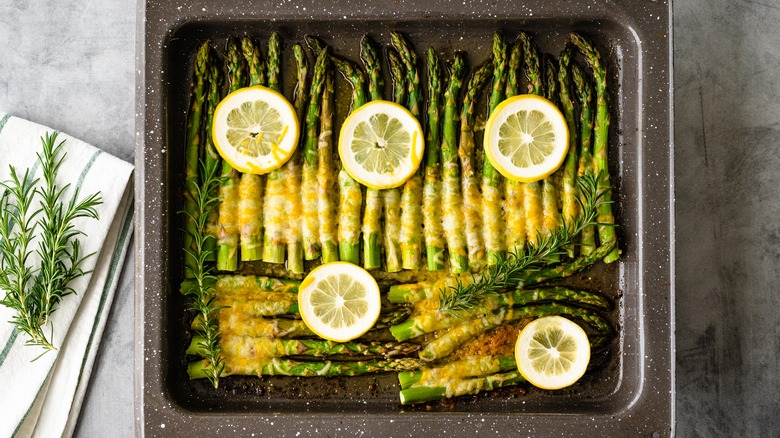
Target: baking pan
column 632, row 396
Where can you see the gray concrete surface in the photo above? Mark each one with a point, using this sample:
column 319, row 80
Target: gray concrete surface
column 70, row 64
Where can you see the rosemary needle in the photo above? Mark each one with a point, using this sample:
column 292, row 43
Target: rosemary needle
column 509, row 272
column 34, row 212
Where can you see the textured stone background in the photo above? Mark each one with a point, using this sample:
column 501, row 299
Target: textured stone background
column 70, row 65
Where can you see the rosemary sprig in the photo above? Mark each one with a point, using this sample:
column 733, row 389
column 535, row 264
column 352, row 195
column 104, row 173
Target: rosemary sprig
column 511, row 271
column 31, row 211
column 200, row 279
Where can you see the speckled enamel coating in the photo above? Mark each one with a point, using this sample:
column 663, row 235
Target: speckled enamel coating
column 637, row 398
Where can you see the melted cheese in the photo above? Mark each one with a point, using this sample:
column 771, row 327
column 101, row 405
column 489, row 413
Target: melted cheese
column 515, row 217
column 350, row 200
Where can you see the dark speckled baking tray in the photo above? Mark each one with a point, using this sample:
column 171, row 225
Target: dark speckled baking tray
column 633, row 396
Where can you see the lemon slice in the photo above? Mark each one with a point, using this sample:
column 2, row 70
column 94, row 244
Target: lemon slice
column 526, row 138
column 381, row 144
column 255, row 129
column 552, row 352
column 339, row 301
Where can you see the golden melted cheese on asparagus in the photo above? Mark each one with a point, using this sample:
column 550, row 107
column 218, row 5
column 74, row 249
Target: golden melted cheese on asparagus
column 274, row 207
column 250, row 211
column 350, row 200
column 452, row 210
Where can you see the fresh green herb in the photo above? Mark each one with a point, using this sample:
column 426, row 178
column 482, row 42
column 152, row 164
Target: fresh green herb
column 511, row 271
column 33, row 213
column 200, row 279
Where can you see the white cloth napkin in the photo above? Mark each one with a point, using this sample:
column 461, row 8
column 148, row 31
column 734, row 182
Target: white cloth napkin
column 43, row 397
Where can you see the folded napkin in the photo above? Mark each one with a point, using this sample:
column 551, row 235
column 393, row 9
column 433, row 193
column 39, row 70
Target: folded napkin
column 43, row 397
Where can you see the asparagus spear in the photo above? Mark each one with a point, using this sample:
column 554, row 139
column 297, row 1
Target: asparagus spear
column 350, row 196
column 458, row 387
column 452, row 338
column 600, row 141
column 570, row 206
column 475, row 366
column 254, row 59
column 235, row 323
column 326, row 175
column 492, row 215
column 274, row 60
column 211, row 156
column 372, row 253
column 250, row 186
column 277, row 232
column 254, row 283
column 411, row 197
column 552, row 216
column 310, row 186
column 584, row 91
column 193, row 147
column 392, row 197
column 532, row 192
column 228, row 236
column 452, row 203
column 472, row 200
column 289, row 367
column 434, row 234
column 514, row 210
column 249, row 348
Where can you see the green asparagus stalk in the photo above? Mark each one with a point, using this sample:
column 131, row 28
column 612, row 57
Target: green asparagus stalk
column 350, row 195
column 411, row 197
column 451, row 339
column 277, row 232
column 514, row 208
column 372, row 253
column 585, row 94
column 251, row 348
column 289, row 367
column 326, row 175
column 600, row 141
column 459, row 387
column 392, row 197
column 254, row 283
column 310, row 187
column 452, row 202
column 228, row 236
column 434, row 234
column 234, row 323
column 192, row 156
column 472, row 199
column 274, row 61
column 492, row 215
column 211, row 155
column 532, row 192
column 476, row 366
column 570, row 206
column 552, row 215
column 250, row 217
column 300, row 198
column 254, row 59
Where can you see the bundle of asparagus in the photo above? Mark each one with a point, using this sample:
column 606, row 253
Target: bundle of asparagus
column 483, row 237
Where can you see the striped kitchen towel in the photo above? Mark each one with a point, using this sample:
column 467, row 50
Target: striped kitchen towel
column 43, row 397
